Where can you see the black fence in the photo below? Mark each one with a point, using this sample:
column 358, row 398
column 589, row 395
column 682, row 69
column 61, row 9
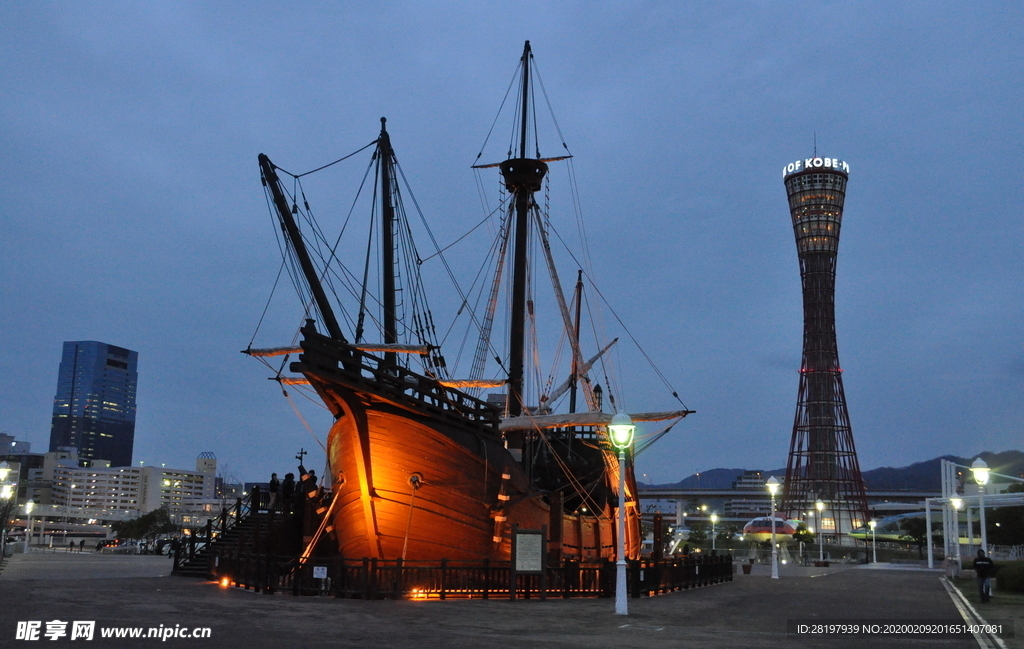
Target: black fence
column 397, row 579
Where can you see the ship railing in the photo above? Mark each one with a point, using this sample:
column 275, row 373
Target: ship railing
column 395, row 381
column 371, row 578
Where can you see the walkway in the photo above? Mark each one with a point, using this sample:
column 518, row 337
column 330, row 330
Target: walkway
column 751, row 611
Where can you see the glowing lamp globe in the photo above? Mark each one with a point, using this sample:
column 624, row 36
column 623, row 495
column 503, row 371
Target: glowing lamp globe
column 980, row 471
column 956, row 502
column 773, row 485
column 872, row 525
column 819, row 506
column 621, row 430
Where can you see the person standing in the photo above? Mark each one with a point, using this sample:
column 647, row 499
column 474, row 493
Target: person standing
column 288, row 491
column 984, row 567
column 275, row 488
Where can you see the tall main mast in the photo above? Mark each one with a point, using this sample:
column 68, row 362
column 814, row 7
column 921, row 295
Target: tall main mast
column 386, row 160
column 523, row 177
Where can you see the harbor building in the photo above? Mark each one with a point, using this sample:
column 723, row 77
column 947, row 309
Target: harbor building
column 94, row 407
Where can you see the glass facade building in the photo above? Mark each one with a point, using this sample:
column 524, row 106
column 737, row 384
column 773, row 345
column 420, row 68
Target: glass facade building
column 94, row 409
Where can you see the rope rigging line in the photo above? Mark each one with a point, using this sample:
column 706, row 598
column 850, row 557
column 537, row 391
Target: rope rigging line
column 329, row 164
column 629, row 333
column 433, row 240
column 469, row 232
column 536, row 72
column 281, row 270
column 498, row 114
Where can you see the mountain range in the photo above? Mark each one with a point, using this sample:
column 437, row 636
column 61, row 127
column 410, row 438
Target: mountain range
column 920, row 476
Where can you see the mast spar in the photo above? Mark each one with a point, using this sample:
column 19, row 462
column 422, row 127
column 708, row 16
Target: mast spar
column 523, row 177
column 291, row 231
column 386, row 159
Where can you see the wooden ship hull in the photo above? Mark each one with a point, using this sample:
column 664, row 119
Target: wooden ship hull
column 421, row 472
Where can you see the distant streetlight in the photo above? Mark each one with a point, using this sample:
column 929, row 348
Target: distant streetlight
column 621, row 433
column 29, row 506
column 874, row 556
column 773, row 487
column 980, row 471
column 820, row 507
column 957, row 503
column 714, row 519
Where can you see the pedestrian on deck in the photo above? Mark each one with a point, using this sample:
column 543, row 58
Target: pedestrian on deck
column 275, row 488
column 309, row 484
column 81, row 545
column 984, row 567
column 71, row 546
column 288, row 491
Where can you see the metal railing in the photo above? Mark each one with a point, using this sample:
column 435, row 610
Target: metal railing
column 397, row 579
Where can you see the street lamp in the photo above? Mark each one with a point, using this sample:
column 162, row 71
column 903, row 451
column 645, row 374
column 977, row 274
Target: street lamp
column 820, row 507
column 5, row 496
column 956, row 503
column 714, row 519
column 621, row 432
column 980, row 471
column 773, row 487
column 67, row 513
column 874, row 555
column 29, row 506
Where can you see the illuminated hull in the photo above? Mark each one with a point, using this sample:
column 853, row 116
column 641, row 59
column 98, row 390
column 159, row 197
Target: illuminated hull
column 417, row 484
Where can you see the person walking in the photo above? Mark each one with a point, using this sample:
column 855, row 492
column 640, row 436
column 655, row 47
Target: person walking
column 984, row 568
column 275, row 488
column 81, row 545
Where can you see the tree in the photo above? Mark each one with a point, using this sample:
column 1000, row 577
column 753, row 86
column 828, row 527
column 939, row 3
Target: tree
column 725, row 535
column 148, row 526
column 915, row 530
column 698, row 533
column 803, row 535
column 1006, row 524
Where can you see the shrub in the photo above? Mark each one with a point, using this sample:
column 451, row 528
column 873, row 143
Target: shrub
column 1011, row 576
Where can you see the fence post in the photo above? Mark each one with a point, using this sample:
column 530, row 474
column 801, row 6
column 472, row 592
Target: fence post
column 444, row 573
column 487, row 577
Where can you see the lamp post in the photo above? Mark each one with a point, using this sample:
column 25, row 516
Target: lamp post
column 820, row 507
column 773, row 487
column 874, row 555
column 714, row 520
column 621, row 432
column 956, row 503
column 29, row 506
column 67, row 514
column 6, row 493
column 980, row 471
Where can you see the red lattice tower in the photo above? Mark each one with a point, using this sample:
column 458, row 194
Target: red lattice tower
column 822, row 458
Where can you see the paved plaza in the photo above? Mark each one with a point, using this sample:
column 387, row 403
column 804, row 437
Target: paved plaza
column 751, row 611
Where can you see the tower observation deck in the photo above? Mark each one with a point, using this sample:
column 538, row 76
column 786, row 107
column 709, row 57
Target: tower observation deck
column 822, row 458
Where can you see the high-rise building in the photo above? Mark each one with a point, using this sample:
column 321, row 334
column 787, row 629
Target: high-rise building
column 94, row 409
column 822, row 459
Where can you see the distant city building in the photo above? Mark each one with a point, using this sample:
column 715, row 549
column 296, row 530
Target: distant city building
column 142, row 489
column 94, row 408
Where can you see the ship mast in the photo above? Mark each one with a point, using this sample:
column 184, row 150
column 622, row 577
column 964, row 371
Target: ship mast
column 386, row 160
column 522, row 177
column 291, row 230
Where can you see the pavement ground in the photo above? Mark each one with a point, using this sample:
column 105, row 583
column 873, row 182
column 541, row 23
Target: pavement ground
column 751, row 611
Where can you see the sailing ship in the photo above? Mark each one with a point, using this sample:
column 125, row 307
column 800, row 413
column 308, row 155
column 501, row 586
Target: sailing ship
column 420, row 467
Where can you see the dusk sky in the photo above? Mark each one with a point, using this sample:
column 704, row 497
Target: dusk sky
column 133, row 212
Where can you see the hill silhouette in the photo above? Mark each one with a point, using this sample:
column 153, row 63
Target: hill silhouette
column 920, row 476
